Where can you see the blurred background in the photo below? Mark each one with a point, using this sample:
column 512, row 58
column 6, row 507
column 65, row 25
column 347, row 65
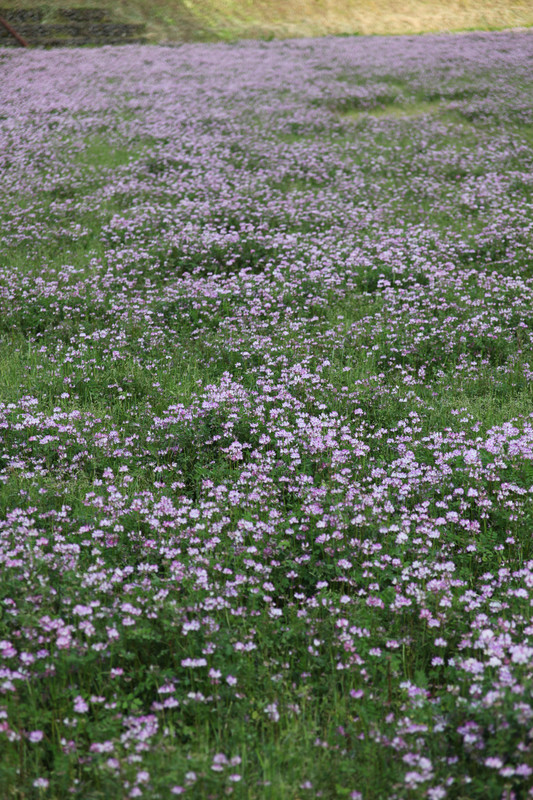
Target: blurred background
column 211, row 20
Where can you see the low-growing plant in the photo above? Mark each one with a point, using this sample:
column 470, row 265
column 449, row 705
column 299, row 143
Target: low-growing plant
column 265, row 421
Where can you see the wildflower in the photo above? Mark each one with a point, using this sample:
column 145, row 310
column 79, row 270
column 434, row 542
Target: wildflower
column 80, row 706
column 436, row 793
column 192, row 663
column 271, row 710
column 219, row 762
column 493, row 761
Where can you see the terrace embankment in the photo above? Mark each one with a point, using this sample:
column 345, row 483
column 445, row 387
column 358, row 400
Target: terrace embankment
column 67, row 27
column 188, row 20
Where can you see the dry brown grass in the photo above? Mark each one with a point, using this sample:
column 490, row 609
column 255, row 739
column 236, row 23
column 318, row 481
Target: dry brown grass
column 192, row 19
column 318, row 17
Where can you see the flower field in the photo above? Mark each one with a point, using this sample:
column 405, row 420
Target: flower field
column 266, row 420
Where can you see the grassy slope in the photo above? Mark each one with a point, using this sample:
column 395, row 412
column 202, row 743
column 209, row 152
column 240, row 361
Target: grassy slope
column 227, row 19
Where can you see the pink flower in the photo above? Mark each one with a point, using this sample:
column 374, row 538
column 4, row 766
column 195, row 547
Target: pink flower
column 80, row 706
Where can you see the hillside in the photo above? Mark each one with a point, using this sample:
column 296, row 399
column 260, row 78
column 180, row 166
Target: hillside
column 266, row 420
column 169, row 20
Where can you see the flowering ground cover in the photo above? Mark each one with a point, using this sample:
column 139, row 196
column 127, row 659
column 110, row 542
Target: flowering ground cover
column 266, row 429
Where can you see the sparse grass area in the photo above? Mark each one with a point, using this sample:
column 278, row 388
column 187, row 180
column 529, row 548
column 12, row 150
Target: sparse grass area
column 266, row 430
column 395, row 111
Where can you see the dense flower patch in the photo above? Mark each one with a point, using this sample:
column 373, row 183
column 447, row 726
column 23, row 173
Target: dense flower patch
column 266, row 430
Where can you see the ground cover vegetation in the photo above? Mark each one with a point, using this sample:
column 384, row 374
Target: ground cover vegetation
column 266, row 430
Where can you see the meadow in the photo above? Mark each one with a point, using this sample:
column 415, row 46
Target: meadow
column 266, row 421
